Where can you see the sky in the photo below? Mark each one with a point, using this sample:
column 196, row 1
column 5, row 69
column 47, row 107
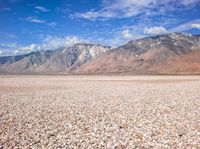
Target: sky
column 31, row 25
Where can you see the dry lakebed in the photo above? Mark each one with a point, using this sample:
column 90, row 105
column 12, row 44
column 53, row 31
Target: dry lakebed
column 99, row 112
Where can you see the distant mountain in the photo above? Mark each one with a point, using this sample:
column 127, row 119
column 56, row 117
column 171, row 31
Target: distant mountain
column 24, row 63
column 176, row 53
column 61, row 60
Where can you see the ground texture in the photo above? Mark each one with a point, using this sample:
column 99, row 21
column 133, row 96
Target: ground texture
column 100, row 112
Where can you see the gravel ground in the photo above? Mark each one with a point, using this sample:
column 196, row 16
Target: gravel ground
column 100, row 112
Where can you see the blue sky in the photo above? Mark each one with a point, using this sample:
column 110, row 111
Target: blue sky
column 30, row 25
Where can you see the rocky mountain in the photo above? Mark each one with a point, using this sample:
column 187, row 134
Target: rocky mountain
column 24, row 63
column 60, row 60
column 176, row 53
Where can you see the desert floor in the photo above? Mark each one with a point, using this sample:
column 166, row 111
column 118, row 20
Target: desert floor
column 99, row 111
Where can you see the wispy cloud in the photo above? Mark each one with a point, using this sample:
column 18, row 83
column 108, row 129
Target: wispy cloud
column 126, row 34
column 129, row 8
column 53, row 42
column 186, row 26
column 16, row 52
column 197, row 26
column 116, row 9
column 6, row 35
column 42, row 9
column 189, row 2
column 26, row 49
column 53, row 24
column 130, row 34
column 156, row 30
column 48, row 43
column 6, row 9
column 120, row 36
column 7, row 47
column 35, row 20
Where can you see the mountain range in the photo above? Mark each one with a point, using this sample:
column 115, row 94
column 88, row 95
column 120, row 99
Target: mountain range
column 57, row 61
column 175, row 53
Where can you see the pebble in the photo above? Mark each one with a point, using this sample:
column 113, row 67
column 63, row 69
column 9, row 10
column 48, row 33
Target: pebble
column 99, row 112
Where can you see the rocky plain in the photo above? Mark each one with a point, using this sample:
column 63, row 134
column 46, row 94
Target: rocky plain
column 111, row 112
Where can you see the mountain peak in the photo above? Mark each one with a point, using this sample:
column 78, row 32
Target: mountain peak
column 155, row 54
column 90, row 45
column 167, row 53
column 63, row 59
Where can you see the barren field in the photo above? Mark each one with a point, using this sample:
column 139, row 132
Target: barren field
column 99, row 112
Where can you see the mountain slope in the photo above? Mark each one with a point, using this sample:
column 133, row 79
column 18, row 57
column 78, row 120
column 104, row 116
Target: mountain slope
column 24, row 63
column 176, row 53
column 60, row 60
column 162, row 54
column 73, row 57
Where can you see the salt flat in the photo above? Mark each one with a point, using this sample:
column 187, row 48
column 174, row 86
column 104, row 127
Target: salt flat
column 99, row 111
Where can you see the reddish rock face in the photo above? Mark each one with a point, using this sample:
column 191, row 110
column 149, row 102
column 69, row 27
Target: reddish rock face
column 176, row 53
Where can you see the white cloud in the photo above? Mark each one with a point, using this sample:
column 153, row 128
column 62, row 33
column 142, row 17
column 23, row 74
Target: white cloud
column 53, row 42
column 156, row 30
column 126, row 34
column 92, row 15
column 49, row 43
column 16, row 52
column 122, row 36
column 35, row 20
column 128, row 8
column 42, row 9
column 117, row 9
column 197, row 26
column 8, row 45
column 53, row 24
column 6, row 35
column 25, row 49
column 189, row 2
column 32, row 47
column 186, row 26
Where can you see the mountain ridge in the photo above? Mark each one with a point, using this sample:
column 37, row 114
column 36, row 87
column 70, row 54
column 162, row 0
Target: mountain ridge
column 145, row 55
column 174, row 53
column 51, row 61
